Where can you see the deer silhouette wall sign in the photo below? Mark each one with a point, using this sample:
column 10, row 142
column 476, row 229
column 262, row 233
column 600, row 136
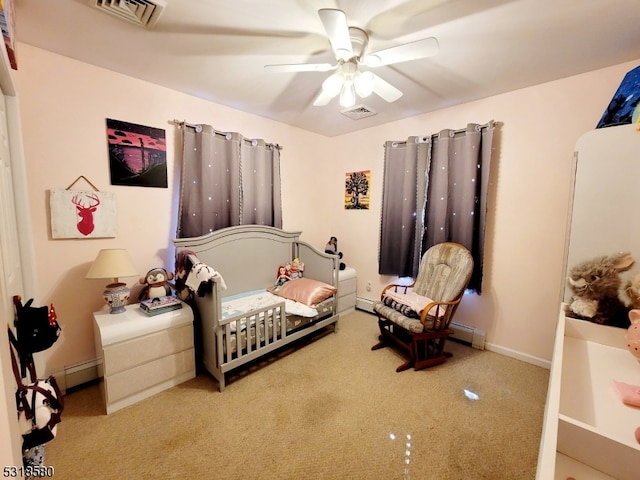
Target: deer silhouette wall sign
column 85, row 212
column 82, row 214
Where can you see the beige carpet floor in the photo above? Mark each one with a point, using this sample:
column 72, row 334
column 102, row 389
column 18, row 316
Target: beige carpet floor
column 330, row 408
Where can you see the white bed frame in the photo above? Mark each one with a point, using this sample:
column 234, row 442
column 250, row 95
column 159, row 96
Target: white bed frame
column 247, row 258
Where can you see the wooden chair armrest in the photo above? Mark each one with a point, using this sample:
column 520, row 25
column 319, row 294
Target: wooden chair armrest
column 396, row 287
column 445, row 306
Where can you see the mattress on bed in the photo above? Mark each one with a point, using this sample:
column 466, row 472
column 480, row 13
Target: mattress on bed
column 324, row 309
column 239, row 309
column 247, row 302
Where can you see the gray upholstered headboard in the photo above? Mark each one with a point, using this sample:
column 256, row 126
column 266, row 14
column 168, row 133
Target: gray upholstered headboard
column 248, row 256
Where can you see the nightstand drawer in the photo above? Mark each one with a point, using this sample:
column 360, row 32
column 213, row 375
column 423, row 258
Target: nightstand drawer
column 142, row 377
column 346, row 302
column 345, row 287
column 125, row 355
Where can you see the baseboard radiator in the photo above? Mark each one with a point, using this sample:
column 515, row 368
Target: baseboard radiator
column 463, row 333
column 76, row 375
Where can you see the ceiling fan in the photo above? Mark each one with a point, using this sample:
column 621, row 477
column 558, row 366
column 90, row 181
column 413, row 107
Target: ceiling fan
column 349, row 46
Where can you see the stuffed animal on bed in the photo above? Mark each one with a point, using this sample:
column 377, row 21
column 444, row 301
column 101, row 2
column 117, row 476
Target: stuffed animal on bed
column 156, row 284
column 595, row 284
column 194, row 277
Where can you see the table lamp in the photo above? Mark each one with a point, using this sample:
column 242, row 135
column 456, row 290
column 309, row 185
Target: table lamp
column 113, row 263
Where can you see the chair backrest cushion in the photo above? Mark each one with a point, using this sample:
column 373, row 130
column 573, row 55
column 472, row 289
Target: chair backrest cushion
column 445, row 270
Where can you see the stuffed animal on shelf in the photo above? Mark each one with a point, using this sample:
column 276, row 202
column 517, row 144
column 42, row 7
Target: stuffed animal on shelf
column 332, row 248
column 632, row 289
column 595, row 284
column 156, row 284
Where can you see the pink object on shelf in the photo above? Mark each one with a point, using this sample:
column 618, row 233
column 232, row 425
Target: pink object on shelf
column 630, row 394
column 633, row 333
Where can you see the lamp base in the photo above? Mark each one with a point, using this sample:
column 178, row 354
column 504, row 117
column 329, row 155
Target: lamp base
column 117, row 296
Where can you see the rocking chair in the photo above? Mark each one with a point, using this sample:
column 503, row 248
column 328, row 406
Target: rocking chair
column 416, row 317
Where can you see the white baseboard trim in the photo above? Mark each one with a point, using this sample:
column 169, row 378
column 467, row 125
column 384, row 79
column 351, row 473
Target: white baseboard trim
column 518, row 355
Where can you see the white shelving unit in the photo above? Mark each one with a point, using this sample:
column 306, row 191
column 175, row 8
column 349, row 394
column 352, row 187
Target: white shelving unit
column 588, row 432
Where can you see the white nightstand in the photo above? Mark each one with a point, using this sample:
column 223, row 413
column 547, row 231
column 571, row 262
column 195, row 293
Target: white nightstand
column 347, row 281
column 142, row 355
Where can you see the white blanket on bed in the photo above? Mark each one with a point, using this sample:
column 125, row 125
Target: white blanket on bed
column 244, row 303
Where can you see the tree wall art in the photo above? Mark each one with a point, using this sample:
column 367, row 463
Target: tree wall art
column 356, row 190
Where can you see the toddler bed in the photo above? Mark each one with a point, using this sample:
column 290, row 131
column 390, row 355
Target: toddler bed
column 240, row 319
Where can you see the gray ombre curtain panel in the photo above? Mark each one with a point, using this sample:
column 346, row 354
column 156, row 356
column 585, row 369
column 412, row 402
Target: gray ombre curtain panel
column 435, row 190
column 227, row 180
column 406, row 168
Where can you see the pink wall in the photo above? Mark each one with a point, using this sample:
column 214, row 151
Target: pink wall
column 64, row 104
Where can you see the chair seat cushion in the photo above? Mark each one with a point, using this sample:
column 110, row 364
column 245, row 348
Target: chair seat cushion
column 410, row 304
column 403, row 308
column 411, row 324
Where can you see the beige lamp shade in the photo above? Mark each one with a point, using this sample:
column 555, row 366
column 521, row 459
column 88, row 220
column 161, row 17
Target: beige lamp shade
column 113, row 263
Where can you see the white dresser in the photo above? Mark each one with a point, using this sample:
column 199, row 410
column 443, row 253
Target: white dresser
column 142, row 355
column 347, row 282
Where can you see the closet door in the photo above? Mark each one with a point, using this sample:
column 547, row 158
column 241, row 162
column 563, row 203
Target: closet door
column 11, row 283
column 10, row 257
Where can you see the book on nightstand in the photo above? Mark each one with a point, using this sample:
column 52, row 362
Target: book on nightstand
column 156, row 306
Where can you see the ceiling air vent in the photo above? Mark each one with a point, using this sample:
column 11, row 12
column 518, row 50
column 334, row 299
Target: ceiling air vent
column 144, row 13
column 358, row 112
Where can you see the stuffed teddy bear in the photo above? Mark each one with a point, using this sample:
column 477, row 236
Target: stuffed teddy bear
column 595, row 284
column 156, row 284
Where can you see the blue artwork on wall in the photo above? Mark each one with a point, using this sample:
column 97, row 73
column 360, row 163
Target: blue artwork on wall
column 625, row 105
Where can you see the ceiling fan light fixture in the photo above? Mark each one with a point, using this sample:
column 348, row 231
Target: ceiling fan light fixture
column 372, row 60
column 343, row 54
column 332, row 85
column 348, row 95
column 363, row 82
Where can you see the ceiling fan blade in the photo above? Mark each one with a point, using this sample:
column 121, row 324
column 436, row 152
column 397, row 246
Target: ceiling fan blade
column 427, row 47
column 300, row 67
column 385, row 90
column 322, row 99
column 335, row 24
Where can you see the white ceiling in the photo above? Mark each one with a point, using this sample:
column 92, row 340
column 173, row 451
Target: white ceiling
column 216, row 49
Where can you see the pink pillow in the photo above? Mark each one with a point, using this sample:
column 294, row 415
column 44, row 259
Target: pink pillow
column 305, row 290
